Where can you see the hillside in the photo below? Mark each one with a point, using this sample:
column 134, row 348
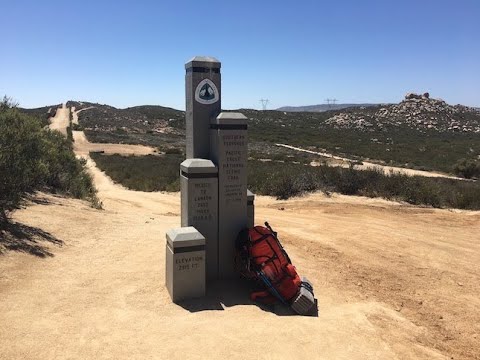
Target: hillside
column 157, row 119
column 322, row 107
column 43, row 113
column 419, row 132
column 416, row 133
column 144, row 125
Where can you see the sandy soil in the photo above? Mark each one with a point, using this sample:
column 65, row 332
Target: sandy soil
column 61, row 119
column 392, row 282
column 82, row 146
column 344, row 162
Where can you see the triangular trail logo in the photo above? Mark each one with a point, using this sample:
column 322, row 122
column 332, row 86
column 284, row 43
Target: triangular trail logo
column 206, row 92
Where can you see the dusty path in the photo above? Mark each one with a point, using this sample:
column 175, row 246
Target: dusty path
column 392, row 281
column 61, row 120
column 82, row 146
column 344, row 162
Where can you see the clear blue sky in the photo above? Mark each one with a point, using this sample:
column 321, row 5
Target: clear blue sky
column 127, row 53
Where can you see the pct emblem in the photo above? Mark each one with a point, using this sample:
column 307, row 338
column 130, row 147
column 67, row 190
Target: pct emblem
column 206, row 92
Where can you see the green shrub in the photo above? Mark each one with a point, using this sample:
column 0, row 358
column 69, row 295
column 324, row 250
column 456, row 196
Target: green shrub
column 69, row 134
column 65, row 173
column 32, row 158
column 349, row 182
column 142, row 173
column 467, row 168
column 173, row 150
column 77, row 127
column 284, row 180
column 21, row 166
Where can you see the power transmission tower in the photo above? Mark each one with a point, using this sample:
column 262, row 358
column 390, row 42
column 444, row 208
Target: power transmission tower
column 330, row 102
column 264, row 103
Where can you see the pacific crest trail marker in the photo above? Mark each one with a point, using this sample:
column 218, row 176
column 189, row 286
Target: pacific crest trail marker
column 215, row 202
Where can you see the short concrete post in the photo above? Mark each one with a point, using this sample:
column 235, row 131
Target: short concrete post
column 185, row 264
column 228, row 150
column 203, row 101
column 250, row 209
column 199, row 206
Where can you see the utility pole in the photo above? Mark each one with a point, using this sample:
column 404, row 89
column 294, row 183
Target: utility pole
column 264, row 103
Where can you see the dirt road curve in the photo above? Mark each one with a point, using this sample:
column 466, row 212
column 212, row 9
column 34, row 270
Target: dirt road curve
column 371, row 166
column 76, row 112
column 392, row 282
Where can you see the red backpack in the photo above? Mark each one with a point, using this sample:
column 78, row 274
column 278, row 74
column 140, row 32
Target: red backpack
column 261, row 257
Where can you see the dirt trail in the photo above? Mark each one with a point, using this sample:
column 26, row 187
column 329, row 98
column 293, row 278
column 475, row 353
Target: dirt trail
column 61, row 120
column 344, row 162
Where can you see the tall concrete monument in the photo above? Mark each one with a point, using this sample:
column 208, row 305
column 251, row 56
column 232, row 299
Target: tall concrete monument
column 203, row 101
column 215, row 205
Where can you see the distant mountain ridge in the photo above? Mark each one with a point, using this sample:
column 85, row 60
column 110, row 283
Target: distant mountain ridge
column 323, row 107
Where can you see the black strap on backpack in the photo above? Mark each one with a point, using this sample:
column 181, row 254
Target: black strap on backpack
column 274, row 233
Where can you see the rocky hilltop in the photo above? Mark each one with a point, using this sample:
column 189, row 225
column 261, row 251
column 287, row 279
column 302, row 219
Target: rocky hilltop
column 419, row 112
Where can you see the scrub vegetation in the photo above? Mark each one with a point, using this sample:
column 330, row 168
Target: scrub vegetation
column 34, row 158
column 142, row 173
column 284, row 180
column 400, row 144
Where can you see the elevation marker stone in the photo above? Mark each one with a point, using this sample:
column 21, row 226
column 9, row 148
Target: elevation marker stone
column 185, row 263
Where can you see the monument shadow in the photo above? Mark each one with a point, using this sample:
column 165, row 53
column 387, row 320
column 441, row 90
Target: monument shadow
column 223, row 294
